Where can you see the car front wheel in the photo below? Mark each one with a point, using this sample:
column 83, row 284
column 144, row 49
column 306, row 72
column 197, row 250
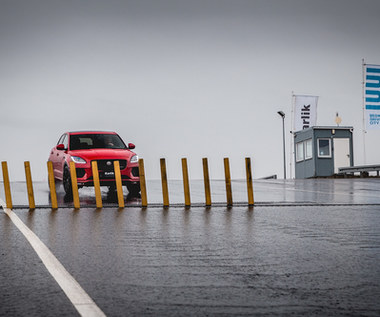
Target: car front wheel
column 133, row 188
column 67, row 182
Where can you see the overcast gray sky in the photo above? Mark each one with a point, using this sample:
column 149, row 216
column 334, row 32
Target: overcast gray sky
column 181, row 78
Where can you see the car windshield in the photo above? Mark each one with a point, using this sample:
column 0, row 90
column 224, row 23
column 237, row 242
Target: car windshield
column 95, row 141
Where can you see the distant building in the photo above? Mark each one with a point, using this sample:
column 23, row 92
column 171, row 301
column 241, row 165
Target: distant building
column 320, row 151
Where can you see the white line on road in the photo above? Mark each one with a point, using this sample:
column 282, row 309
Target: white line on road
column 76, row 294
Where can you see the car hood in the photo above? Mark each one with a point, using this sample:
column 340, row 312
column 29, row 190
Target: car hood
column 103, row 154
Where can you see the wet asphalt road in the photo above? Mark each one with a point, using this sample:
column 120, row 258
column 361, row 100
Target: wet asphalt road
column 308, row 248
column 309, row 191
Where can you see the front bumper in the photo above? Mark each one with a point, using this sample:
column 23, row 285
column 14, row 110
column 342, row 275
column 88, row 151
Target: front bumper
column 130, row 174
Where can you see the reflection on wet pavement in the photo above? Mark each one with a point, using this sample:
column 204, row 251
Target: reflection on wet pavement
column 309, row 191
column 309, row 260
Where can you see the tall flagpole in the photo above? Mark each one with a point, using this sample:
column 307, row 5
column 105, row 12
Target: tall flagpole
column 291, row 137
column 363, row 96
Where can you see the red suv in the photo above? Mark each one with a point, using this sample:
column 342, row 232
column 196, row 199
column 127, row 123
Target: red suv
column 103, row 147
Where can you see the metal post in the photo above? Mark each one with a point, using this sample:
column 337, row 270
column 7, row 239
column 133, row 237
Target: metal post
column 248, row 171
column 227, row 175
column 95, row 175
column 7, row 186
column 206, row 182
column 74, row 185
column 29, row 186
column 119, row 186
column 282, row 114
column 164, row 181
column 186, row 185
column 53, row 192
column 144, row 200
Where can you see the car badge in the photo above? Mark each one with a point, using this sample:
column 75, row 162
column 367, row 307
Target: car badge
column 109, row 163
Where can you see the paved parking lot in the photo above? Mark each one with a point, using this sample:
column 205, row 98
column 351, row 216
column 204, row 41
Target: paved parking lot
column 309, row 247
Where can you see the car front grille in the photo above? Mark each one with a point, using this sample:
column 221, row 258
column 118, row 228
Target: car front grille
column 107, row 165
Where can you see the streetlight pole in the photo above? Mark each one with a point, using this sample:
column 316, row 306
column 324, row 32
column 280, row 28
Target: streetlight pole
column 282, row 114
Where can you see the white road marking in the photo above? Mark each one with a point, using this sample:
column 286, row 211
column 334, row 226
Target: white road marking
column 76, row 294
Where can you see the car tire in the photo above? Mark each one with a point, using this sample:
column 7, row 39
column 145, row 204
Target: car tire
column 133, row 188
column 67, row 186
column 112, row 188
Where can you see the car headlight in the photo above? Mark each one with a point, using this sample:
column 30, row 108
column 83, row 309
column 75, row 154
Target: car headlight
column 134, row 159
column 78, row 160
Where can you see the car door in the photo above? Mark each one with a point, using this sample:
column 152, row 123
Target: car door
column 53, row 155
column 60, row 157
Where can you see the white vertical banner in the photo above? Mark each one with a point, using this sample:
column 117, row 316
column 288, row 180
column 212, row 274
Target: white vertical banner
column 305, row 112
column 372, row 96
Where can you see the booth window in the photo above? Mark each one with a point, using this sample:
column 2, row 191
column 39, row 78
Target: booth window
column 299, row 152
column 324, row 148
column 304, row 150
column 308, row 149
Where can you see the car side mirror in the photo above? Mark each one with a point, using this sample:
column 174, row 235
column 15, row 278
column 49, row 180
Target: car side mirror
column 60, row 147
column 131, row 146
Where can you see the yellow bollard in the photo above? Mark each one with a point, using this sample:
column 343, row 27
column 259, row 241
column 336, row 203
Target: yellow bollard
column 186, row 185
column 95, row 175
column 74, row 185
column 7, row 186
column 144, row 200
column 228, row 181
column 206, row 182
column 29, row 186
column 248, row 170
column 53, row 192
column 119, row 186
column 164, row 181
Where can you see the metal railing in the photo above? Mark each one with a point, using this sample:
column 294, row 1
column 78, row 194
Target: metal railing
column 362, row 169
